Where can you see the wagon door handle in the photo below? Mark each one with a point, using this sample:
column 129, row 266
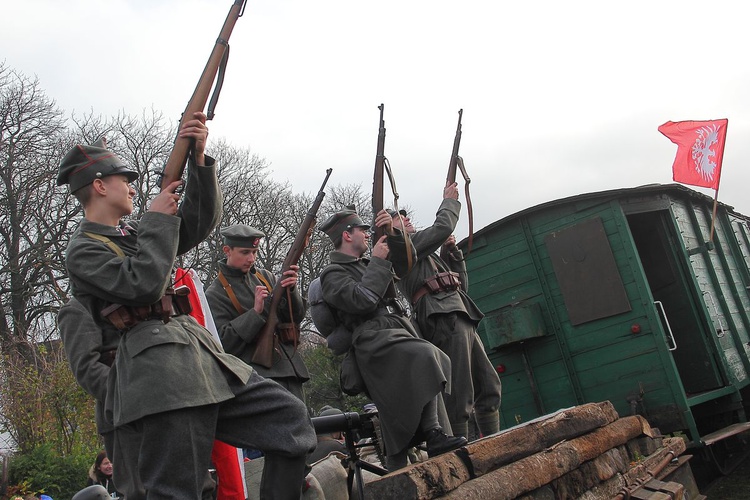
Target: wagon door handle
column 669, row 328
column 720, row 332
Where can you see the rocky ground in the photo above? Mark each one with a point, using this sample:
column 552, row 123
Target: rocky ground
column 735, row 486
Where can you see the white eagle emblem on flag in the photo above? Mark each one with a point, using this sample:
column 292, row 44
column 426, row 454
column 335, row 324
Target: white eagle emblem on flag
column 703, row 156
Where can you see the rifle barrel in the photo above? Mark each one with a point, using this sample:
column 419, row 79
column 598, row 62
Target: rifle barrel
column 178, row 156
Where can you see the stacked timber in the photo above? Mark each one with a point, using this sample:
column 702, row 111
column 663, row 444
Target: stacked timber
column 587, row 452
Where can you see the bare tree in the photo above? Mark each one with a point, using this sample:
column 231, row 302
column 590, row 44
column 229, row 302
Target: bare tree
column 245, row 185
column 33, row 213
column 38, row 403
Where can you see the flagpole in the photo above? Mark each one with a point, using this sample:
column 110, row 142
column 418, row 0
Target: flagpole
column 713, row 215
column 716, row 195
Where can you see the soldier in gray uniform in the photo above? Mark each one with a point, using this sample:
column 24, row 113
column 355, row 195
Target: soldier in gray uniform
column 446, row 316
column 172, row 386
column 239, row 306
column 402, row 374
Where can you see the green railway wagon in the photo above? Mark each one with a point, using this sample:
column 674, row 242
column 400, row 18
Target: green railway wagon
column 625, row 295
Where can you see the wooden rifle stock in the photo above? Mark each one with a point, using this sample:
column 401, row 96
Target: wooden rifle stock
column 176, row 163
column 457, row 163
column 377, row 183
column 263, row 354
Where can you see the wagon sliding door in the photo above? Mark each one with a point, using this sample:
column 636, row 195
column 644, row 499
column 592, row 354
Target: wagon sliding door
column 692, row 349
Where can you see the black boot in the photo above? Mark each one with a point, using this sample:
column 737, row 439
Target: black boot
column 438, row 442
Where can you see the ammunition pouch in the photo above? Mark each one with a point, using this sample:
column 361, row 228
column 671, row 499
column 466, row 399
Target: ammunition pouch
column 173, row 303
column 442, row 282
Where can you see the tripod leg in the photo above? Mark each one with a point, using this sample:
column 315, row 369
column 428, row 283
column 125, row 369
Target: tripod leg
column 350, row 479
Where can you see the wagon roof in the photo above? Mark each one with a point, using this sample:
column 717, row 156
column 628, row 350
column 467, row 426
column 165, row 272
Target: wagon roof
column 673, row 189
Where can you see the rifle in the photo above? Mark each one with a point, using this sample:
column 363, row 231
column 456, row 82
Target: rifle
column 383, row 165
column 216, row 64
column 377, row 183
column 458, row 162
column 263, row 354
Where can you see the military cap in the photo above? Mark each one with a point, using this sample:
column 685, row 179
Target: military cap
column 83, row 164
column 342, row 221
column 393, row 213
column 242, row 235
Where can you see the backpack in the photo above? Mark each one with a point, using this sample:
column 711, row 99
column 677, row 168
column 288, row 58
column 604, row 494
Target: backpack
column 338, row 337
column 322, row 315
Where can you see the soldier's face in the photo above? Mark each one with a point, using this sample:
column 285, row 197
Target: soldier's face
column 360, row 237
column 408, row 228
column 120, row 193
column 241, row 258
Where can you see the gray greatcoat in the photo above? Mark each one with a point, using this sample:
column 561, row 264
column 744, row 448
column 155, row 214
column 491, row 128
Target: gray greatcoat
column 238, row 332
column 159, row 367
column 401, row 371
column 449, row 319
column 90, row 350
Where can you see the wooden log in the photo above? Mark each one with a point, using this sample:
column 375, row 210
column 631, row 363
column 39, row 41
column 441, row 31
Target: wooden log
column 430, row 479
column 443, row 474
column 521, row 441
column 589, row 474
column 530, row 473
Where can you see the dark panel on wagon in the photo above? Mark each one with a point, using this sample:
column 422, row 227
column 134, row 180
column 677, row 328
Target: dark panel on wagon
column 586, row 271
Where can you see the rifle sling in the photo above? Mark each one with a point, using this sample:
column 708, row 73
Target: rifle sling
column 409, row 256
column 288, row 302
column 219, row 81
column 469, row 208
column 111, row 244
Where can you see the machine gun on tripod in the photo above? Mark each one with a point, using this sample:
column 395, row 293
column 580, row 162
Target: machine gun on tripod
column 355, row 427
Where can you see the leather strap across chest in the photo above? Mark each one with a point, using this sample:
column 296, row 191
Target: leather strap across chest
column 233, row 297
column 230, row 293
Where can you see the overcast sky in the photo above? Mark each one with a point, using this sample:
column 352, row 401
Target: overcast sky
column 559, row 98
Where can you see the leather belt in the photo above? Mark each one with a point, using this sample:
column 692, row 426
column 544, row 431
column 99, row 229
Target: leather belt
column 173, row 303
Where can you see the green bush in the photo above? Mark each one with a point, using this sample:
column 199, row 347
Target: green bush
column 324, row 386
column 42, row 470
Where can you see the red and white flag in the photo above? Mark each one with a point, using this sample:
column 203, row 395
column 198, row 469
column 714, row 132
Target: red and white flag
column 700, row 150
column 227, row 459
